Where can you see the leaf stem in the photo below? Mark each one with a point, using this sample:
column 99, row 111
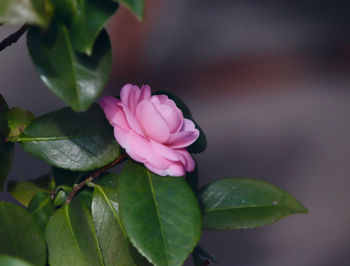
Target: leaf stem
column 93, row 177
column 11, row 39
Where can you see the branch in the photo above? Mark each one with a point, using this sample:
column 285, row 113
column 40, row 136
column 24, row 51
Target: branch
column 93, row 177
column 13, row 37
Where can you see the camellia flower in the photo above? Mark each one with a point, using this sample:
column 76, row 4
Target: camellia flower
column 152, row 130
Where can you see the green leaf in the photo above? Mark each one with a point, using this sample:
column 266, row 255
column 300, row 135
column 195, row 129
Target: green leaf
column 115, row 246
column 37, row 12
column 42, row 207
column 71, row 237
column 202, row 257
column 193, row 177
column 6, row 148
column 12, row 261
column 88, row 21
column 74, row 141
column 234, row 203
column 76, row 78
column 66, row 177
column 24, row 191
column 160, row 214
column 18, row 119
column 201, row 143
column 135, row 6
column 20, row 236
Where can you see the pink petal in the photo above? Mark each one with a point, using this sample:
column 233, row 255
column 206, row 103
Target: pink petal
column 121, row 136
column 138, row 147
column 130, row 96
column 190, row 163
column 132, row 121
column 145, row 93
column 183, row 139
column 153, row 124
column 170, row 112
column 165, row 151
column 188, row 125
column 155, row 170
column 176, row 170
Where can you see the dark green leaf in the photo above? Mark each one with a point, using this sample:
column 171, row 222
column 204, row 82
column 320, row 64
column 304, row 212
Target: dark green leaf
column 24, row 191
column 74, row 141
column 202, row 257
column 60, row 198
column 6, row 148
column 71, row 237
column 116, row 248
column 233, row 203
column 41, row 206
column 76, row 78
column 66, row 177
column 65, row 10
column 20, row 236
column 88, row 21
column 12, row 261
column 201, row 143
column 26, row 11
column 18, row 119
column 160, row 214
column 192, row 178
column 136, row 6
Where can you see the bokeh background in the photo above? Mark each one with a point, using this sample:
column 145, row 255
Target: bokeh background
column 268, row 81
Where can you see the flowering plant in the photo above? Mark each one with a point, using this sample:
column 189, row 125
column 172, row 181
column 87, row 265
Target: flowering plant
column 79, row 213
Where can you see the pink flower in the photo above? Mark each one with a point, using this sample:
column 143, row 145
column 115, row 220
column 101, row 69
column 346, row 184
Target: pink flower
column 152, row 130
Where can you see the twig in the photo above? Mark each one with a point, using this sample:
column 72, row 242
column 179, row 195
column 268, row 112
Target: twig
column 13, row 37
column 93, row 177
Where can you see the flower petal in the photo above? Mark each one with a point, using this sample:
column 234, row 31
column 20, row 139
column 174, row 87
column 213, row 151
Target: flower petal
column 183, row 139
column 138, row 147
column 130, row 96
column 145, row 93
column 132, row 121
column 165, row 151
column 170, row 112
column 121, row 136
column 190, row 163
column 153, row 124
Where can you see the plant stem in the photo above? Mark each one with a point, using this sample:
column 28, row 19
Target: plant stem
column 93, row 177
column 13, row 37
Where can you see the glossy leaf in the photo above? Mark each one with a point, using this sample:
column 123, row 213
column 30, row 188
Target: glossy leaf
column 76, row 78
column 202, row 257
column 24, row 191
column 37, row 12
column 41, row 206
column 201, row 143
column 88, row 21
column 71, row 237
column 160, row 214
column 193, row 177
column 135, row 6
column 6, row 148
column 18, row 119
column 20, row 236
column 12, row 261
column 74, row 141
column 115, row 246
column 234, row 203
column 66, row 177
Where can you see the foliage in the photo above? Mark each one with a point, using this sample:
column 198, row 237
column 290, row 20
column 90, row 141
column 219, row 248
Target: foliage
column 78, row 213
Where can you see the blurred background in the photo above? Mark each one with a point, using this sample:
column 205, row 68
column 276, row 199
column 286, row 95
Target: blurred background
column 269, row 83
